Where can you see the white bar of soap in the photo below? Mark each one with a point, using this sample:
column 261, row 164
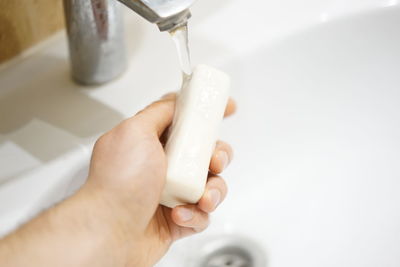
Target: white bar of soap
column 199, row 111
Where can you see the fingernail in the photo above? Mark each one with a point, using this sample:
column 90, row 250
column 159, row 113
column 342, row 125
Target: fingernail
column 223, row 157
column 185, row 214
column 215, row 196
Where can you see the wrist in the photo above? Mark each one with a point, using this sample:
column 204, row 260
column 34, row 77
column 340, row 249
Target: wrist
column 100, row 222
column 121, row 214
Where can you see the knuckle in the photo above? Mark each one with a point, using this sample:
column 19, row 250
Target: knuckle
column 101, row 141
column 153, row 105
column 129, row 127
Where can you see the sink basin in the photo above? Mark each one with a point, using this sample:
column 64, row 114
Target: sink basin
column 316, row 177
column 316, row 174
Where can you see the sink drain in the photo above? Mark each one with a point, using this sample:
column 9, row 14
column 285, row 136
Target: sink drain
column 230, row 257
column 230, row 251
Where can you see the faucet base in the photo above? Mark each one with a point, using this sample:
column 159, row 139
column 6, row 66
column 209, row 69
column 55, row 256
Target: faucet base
column 96, row 40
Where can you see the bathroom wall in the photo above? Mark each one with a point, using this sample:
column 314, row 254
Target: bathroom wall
column 24, row 23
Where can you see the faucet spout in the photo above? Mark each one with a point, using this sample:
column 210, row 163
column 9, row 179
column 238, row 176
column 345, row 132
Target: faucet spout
column 167, row 14
column 95, row 33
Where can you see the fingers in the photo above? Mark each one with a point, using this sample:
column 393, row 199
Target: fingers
column 222, row 156
column 170, row 95
column 214, row 194
column 230, row 108
column 196, row 216
column 190, row 216
column 158, row 116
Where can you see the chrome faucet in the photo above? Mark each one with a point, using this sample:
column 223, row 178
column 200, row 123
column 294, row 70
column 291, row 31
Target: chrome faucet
column 167, row 14
column 96, row 38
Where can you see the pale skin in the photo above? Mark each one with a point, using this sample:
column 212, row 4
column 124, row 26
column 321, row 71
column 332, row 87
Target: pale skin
column 115, row 220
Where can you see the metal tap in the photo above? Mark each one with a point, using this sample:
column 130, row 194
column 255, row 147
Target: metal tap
column 167, row 14
column 96, row 38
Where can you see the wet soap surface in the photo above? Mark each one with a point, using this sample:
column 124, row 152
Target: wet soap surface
column 199, row 112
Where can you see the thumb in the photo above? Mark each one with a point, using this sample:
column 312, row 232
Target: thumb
column 159, row 115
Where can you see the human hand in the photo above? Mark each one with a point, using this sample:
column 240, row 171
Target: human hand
column 127, row 176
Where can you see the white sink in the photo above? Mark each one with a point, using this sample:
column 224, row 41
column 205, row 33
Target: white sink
column 316, row 176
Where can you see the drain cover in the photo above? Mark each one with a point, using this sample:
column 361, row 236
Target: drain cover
column 231, row 251
column 229, row 257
